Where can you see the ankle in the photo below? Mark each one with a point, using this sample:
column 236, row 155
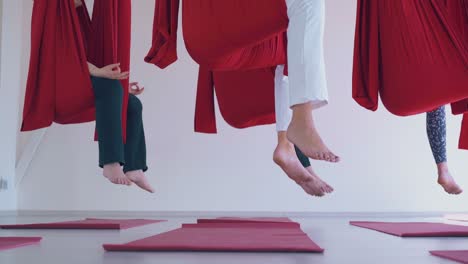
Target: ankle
column 302, row 111
column 442, row 168
column 132, row 172
column 282, row 137
column 111, row 166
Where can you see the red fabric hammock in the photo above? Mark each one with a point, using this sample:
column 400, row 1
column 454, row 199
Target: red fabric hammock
column 235, row 64
column 245, row 98
column 216, row 38
column 412, row 53
column 63, row 39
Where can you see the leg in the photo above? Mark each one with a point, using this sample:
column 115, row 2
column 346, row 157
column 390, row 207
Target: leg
column 307, row 75
column 436, row 132
column 285, row 154
column 108, row 95
column 135, row 148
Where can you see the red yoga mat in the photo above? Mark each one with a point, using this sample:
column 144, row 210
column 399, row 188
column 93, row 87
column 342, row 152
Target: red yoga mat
column 16, row 242
column 225, row 237
column 271, row 221
column 247, row 220
column 416, row 229
column 89, row 223
column 460, row 256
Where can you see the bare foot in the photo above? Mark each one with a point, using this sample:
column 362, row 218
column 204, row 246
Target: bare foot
column 446, row 180
column 113, row 172
column 303, row 134
column 139, row 178
column 285, row 157
column 328, row 188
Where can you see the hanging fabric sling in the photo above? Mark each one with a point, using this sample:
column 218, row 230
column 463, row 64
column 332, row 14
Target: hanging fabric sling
column 63, row 39
column 233, row 53
column 413, row 53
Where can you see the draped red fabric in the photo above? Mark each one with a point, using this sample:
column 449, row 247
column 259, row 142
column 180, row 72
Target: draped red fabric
column 59, row 86
column 463, row 144
column 112, row 40
column 226, row 47
column 163, row 50
column 459, row 11
column 235, row 34
column 411, row 53
column 85, row 26
column 245, row 98
column 215, row 37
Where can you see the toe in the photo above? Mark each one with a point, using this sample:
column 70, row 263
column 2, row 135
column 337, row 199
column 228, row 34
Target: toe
column 320, row 156
column 314, row 156
column 337, row 159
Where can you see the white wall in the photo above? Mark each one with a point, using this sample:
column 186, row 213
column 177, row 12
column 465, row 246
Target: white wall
column 24, row 138
column 387, row 165
column 9, row 87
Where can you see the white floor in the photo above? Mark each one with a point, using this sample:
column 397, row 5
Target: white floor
column 343, row 244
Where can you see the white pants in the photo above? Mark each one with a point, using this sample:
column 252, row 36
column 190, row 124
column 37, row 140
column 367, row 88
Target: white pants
column 306, row 63
column 282, row 110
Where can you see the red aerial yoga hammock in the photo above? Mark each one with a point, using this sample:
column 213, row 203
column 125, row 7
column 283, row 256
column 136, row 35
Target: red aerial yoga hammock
column 63, row 39
column 414, row 54
column 245, row 98
column 237, row 56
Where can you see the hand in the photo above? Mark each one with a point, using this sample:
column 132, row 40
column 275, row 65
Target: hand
column 135, row 89
column 111, row 71
column 78, row 3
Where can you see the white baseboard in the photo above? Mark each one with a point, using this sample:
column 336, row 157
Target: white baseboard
column 198, row 214
column 8, row 213
column 28, row 155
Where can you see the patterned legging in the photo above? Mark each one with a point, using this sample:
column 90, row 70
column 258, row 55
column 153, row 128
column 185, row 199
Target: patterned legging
column 437, row 133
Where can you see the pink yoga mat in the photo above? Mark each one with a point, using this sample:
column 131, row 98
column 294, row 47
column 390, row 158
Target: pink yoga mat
column 415, row 229
column 247, row 220
column 222, row 237
column 15, row 242
column 284, row 221
column 244, row 225
column 460, row 256
column 89, row 223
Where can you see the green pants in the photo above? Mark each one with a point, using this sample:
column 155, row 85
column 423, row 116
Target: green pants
column 302, row 158
column 109, row 97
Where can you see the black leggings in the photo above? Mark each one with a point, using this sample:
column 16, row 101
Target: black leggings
column 132, row 155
